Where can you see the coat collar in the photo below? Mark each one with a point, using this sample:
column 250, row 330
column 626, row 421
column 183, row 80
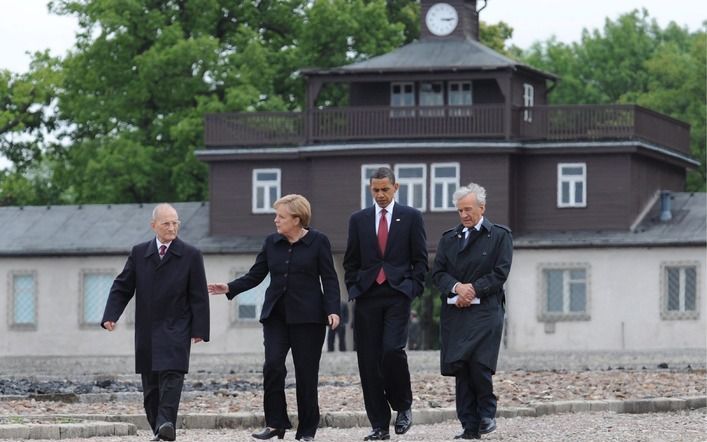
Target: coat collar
column 176, row 248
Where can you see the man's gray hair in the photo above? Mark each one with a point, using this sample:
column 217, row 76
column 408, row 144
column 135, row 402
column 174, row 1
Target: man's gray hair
column 159, row 207
column 470, row 188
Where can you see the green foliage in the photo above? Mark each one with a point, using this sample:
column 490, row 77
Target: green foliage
column 119, row 118
column 27, row 110
column 633, row 60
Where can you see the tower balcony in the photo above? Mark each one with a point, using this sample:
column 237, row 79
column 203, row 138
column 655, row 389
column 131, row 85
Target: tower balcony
column 478, row 122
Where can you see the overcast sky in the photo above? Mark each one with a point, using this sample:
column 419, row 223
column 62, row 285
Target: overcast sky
column 25, row 25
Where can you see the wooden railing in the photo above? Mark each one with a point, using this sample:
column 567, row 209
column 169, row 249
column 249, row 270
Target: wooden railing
column 550, row 123
column 596, row 122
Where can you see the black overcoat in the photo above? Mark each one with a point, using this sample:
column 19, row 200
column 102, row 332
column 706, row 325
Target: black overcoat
column 171, row 304
column 473, row 333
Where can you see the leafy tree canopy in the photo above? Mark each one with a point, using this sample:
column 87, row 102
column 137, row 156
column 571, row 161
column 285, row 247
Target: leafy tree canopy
column 118, row 119
column 633, row 60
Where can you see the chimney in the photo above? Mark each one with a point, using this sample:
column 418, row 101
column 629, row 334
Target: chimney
column 666, row 213
column 470, row 19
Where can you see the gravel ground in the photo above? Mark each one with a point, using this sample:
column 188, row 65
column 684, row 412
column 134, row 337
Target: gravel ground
column 583, row 427
column 523, row 378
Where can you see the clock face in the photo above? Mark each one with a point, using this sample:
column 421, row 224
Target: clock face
column 441, row 19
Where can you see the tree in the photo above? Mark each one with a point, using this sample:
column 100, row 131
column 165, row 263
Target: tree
column 27, row 112
column 633, row 60
column 144, row 73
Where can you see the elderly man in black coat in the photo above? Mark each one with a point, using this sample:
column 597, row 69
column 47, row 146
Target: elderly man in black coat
column 472, row 263
column 167, row 277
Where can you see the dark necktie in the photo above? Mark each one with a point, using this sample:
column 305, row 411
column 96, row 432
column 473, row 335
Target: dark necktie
column 382, row 241
column 163, row 250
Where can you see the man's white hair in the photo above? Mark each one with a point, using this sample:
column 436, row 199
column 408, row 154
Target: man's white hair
column 158, row 208
column 470, row 188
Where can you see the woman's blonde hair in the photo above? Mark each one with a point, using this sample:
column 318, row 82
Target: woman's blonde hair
column 298, row 206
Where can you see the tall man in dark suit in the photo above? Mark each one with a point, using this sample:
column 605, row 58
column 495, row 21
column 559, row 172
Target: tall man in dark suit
column 167, row 277
column 385, row 265
column 472, row 263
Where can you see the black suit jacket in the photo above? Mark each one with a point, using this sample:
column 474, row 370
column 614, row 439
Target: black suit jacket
column 302, row 272
column 171, row 304
column 405, row 257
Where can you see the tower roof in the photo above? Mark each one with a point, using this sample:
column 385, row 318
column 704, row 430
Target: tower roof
column 428, row 55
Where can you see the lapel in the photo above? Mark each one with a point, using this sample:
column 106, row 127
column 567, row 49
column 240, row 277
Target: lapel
column 394, row 228
column 176, row 248
column 369, row 220
column 151, row 254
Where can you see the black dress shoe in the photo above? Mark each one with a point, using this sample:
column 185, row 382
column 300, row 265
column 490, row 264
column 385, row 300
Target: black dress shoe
column 269, row 433
column 488, row 424
column 468, row 434
column 308, row 438
column 378, row 434
column 403, row 421
column 166, row 432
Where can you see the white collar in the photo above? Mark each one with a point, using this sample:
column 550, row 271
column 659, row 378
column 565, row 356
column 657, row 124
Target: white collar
column 160, row 243
column 388, row 208
column 476, row 227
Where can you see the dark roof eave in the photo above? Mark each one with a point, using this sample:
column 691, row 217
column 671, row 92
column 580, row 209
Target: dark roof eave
column 418, row 70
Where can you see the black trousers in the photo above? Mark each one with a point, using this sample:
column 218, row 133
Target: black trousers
column 381, row 322
column 474, row 395
column 306, row 341
column 161, row 392
column 340, row 334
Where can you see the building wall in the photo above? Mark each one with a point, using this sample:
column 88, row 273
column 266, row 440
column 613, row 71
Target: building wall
column 59, row 330
column 608, row 193
column 333, row 186
column 624, row 299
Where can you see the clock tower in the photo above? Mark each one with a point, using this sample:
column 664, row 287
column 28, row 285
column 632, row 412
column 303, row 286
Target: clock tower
column 444, row 19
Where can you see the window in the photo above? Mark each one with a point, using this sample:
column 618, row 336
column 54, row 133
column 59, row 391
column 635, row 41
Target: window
column 565, row 293
column 95, row 287
column 367, row 171
column 572, row 185
column 412, row 179
column 266, row 189
column 431, row 94
column 528, row 101
column 402, row 95
column 23, row 301
column 459, row 95
column 679, row 291
column 445, row 181
column 249, row 304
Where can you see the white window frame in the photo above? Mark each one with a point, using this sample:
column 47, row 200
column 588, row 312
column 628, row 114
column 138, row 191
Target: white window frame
column 405, row 107
column 259, row 292
column 366, row 184
column 444, row 182
column 460, row 109
column 431, row 103
column 410, row 183
column 544, row 315
column 572, row 180
column 30, row 326
column 528, row 101
column 82, row 293
column 266, row 186
column 681, row 314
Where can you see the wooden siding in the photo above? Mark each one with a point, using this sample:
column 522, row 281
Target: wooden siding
column 608, row 193
column 649, row 175
column 332, row 184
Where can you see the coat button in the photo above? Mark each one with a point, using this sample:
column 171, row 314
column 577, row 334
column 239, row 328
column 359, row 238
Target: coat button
column 285, row 275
